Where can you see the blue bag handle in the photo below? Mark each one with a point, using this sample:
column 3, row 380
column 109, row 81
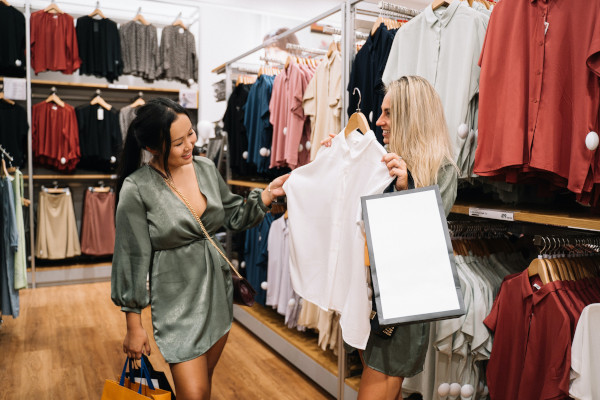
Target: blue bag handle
column 144, row 373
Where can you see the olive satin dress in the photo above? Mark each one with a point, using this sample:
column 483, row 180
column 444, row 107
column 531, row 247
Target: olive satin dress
column 191, row 293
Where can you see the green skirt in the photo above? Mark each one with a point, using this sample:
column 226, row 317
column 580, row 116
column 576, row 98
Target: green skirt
column 401, row 355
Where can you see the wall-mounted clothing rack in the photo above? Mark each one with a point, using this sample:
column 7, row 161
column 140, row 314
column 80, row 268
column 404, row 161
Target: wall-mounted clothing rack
column 338, row 31
column 384, row 5
column 292, row 46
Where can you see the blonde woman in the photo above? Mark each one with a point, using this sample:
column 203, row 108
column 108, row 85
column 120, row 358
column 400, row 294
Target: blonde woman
column 420, row 152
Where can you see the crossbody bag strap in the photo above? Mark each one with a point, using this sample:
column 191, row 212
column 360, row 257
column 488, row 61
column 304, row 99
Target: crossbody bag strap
column 187, row 203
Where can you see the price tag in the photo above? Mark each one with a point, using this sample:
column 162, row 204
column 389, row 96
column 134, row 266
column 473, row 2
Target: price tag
column 100, row 113
column 492, row 214
column 114, row 86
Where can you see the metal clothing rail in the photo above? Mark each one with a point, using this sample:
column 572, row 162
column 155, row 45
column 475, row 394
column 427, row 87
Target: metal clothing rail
column 6, row 154
column 292, row 46
column 384, row 5
column 338, row 31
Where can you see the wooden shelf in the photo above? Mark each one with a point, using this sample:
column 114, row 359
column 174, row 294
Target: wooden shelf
column 103, row 86
column 577, row 220
column 250, row 184
column 72, row 177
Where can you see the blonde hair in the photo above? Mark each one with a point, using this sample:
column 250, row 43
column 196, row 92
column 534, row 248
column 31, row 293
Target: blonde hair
column 418, row 129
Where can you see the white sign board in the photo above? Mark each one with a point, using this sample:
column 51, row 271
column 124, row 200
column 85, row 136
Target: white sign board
column 412, row 262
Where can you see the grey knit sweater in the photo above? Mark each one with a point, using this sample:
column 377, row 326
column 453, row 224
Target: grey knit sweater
column 178, row 57
column 139, row 49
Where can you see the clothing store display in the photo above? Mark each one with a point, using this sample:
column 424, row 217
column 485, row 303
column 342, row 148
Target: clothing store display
column 323, row 200
column 12, row 48
column 55, row 136
column 279, row 284
column 98, row 223
column 53, row 43
column 57, row 235
column 20, row 281
column 288, row 119
column 233, row 124
column 100, row 138
column 9, row 297
column 256, row 256
column 99, row 48
column 322, row 101
column 256, row 120
column 13, row 131
column 366, row 74
column 157, row 233
column 553, row 52
column 442, row 46
column 178, row 58
column 533, row 325
column 126, row 115
column 139, row 50
column 585, row 355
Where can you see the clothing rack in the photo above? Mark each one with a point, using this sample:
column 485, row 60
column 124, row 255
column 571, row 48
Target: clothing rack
column 271, row 60
column 384, row 5
column 477, row 229
column 6, row 154
column 292, row 46
column 572, row 244
column 338, row 31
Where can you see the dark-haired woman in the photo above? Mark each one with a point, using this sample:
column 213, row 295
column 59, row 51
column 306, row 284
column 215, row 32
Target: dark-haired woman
column 158, row 238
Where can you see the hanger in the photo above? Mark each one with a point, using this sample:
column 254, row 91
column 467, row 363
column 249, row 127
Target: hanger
column 97, row 12
column 358, row 119
column 331, row 49
column 55, row 189
column 100, row 101
column 100, row 188
column 440, row 3
column 54, row 98
column 140, row 18
column 178, row 22
column 53, row 9
column 285, row 215
column 287, row 62
column 139, row 101
column 4, row 171
column 4, row 98
column 6, row 3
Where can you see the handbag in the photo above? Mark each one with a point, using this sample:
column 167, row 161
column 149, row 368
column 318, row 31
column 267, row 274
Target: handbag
column 385, row 331
column 243, row 292
column 158, row 378
column 125, row 389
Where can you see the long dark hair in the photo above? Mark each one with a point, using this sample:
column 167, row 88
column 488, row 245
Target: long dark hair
column 151, row 128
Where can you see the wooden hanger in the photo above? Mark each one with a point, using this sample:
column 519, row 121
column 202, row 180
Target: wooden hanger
column 4, row 171
column 376, row 25
column 97, row 12
column 140, row 18
column 440, row 3
column 358, row 119
column 139, row 101
column 538, row 267
column 285, row 215
column 55, row 99
column 6, row 3
column 100, row 101
column 55, row 189
column 179, row 22
column 331, row 49
column 6, row 99
column 53, row 9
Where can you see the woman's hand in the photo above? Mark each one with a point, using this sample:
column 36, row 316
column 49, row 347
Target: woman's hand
column 136, row 340
column 275, row 189
column 327, row 142
column 397, row 167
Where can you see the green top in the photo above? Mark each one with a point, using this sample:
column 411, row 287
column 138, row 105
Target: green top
column 20, row 257
column 190, row 282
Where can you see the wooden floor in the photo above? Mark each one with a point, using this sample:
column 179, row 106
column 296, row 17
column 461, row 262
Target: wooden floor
column 68, row 340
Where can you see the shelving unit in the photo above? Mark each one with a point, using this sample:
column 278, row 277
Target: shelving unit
column 108, row 86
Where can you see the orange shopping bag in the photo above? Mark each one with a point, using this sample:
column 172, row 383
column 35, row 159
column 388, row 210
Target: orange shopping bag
column 125, row 389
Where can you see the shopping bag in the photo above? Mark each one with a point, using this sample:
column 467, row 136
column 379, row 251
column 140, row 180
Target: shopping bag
column 125, row 389
column 158, row 378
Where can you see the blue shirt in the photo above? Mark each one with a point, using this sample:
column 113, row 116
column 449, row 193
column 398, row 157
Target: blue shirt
column 256, row 121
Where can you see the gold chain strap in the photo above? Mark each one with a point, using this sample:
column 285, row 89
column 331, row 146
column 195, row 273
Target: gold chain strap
column 170, row 183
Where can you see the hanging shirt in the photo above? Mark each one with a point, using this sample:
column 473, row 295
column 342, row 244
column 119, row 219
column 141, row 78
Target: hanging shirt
column 20, row 281
column 55, row 137
column 139, row 49
column 13, row 131
column 53, row 43
column 322, row 101
column 12, row 48
column 366, row 74
column 256, row 121
column 326, row 243
column 126, row 115
column 178, row 58
column 99, row 48
column 256, row 255
column 585, row 356
column 9, row 242
column 279, row 285
column 99, row 137
column 443, row 47
column 237, row 139
column 540, row 92
column 297, row 151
